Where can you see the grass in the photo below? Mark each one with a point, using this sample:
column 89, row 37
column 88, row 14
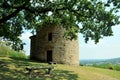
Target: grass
column 13, row 64
column 108, row 66
column 14, row 69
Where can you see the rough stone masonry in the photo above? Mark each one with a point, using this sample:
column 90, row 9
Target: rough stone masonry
column 49, row 45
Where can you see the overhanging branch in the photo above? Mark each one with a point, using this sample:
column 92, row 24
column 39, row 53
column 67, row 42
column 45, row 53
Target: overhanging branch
column 4, row 19
column 31, row 10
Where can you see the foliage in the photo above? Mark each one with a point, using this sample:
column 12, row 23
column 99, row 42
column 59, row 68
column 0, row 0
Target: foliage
column 17, row 45
column 6, row 51
column 108, row 66
column 18, row 55
column 93, row 19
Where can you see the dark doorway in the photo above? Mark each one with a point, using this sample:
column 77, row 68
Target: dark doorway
column 49, row 56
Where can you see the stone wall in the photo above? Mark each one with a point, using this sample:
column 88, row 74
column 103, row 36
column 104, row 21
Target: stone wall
column 63, row 51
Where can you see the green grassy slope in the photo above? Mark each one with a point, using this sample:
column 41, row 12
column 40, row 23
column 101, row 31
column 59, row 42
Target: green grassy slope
column 14, row 69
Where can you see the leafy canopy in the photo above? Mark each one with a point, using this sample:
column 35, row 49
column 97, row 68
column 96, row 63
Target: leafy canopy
column 92, row 18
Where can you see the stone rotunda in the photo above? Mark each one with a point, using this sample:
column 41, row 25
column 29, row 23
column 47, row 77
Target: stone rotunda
column 49, row 45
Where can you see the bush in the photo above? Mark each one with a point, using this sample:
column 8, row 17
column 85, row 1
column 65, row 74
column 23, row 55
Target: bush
column 108, row 66
column 116, row 67
column 5, row 51
column 19, row 55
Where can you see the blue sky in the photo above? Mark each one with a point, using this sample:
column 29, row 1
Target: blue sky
column 108, row 47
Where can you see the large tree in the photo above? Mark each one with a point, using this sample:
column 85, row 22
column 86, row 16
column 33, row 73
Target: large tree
column 92, row 18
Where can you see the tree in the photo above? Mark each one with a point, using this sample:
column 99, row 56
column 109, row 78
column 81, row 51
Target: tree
column 93, row 19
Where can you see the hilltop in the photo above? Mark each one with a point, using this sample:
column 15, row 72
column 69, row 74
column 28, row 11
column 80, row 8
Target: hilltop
column 14, row 69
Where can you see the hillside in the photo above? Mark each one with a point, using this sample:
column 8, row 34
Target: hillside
column 114, row 60
column 14, row 69
column 101, row 61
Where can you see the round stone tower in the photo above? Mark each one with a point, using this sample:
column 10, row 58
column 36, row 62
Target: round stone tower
column 48, row 45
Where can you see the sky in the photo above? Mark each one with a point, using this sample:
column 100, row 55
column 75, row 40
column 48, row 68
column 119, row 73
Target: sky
column 107, row 48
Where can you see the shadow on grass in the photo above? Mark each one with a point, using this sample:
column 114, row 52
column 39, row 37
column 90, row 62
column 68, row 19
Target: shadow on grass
column 12, row 74
column 14, row 69
column 64, row 75
column 9, row 74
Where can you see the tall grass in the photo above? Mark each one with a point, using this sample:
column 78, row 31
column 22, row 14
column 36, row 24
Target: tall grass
column 6, row 51
column 19, row 55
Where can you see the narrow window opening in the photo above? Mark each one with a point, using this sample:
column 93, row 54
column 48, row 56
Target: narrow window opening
column 50, row 37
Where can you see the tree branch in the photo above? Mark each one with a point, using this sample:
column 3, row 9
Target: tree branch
column 42, row 10
column 4, row 19
column 18, row 9
column 31, row 10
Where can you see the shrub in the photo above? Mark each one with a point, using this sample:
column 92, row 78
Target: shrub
column 108, row 66
column 116, row 67
column 5, row 51
column 19, row 55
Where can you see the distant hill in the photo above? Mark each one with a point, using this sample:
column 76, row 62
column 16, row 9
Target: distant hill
column 100, row 61
column 114, row 60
